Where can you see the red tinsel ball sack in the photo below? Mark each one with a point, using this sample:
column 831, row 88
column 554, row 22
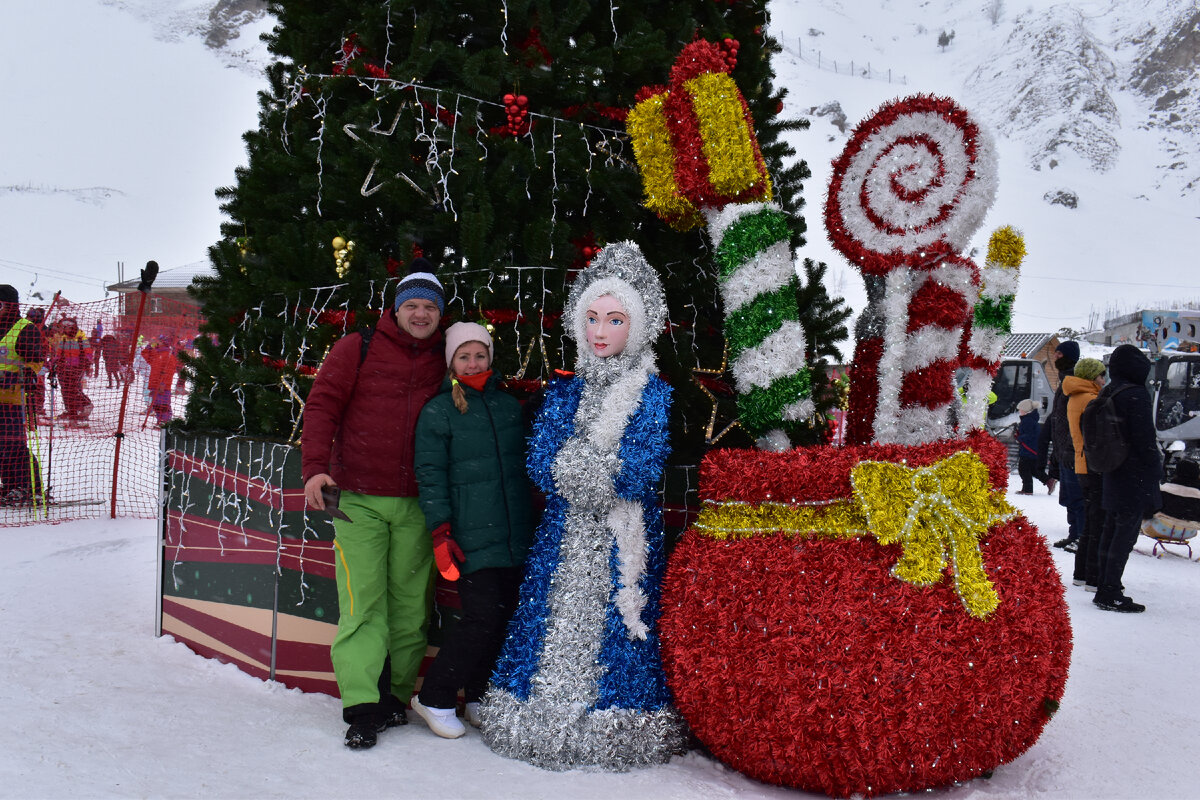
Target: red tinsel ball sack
column 804, row 662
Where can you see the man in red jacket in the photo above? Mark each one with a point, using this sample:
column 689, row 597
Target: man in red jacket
column 359, row 424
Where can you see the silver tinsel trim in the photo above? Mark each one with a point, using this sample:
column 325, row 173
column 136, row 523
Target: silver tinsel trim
column 615, row 739
column 554, row 729
column 625, row 523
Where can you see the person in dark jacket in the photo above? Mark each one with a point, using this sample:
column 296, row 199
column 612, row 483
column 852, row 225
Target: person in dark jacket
column 1028, row 431
column 470, row 467
column 359, row 425
column 21, row 352
column 1131, row 491
column 1057, row 433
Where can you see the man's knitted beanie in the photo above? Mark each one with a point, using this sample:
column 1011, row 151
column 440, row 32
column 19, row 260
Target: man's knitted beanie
column 422, row 284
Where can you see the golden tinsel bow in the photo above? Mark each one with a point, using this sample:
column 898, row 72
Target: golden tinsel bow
column 935, row 511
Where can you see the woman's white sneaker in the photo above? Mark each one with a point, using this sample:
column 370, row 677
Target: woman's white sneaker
column 472, row 711
column 442, row 721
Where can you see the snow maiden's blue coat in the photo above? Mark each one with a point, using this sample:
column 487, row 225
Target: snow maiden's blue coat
column 579, row 682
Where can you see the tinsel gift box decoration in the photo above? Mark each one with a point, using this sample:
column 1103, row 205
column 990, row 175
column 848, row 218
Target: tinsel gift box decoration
column 864, row 620
column 694, row 140
column 701, row 164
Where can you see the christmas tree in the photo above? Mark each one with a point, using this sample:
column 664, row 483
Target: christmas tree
column 489, row 138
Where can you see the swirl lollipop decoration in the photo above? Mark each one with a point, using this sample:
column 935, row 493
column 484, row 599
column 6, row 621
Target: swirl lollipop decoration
column 700, row 163
column 907, row 193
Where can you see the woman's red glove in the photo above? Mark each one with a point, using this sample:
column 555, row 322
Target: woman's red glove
column 446, row 552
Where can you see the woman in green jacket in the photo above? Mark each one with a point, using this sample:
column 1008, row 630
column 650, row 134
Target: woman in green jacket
column 470, row 469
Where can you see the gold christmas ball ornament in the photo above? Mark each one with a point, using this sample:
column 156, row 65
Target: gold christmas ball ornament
column 339, row 243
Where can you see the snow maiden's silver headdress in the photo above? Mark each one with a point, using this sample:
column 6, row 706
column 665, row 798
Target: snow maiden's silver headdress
column 620, row 270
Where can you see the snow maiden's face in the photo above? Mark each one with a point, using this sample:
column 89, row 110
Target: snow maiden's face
column 607, row 326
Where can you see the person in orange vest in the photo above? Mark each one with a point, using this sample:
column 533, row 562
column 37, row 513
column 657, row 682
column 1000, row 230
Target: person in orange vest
column 22, row 349
column 163, row 366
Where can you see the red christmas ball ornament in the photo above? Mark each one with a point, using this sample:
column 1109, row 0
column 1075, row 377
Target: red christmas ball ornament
column 509, row 99
column 522, row 100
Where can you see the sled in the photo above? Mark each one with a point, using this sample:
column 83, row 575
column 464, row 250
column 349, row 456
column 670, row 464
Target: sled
column 1166, row 531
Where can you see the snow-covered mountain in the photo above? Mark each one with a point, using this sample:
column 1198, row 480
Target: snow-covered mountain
column 1093, row 105
column 137, row 119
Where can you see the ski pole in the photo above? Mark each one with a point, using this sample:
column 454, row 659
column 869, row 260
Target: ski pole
column 33, row 446
column 147, row 282
column 53, row 383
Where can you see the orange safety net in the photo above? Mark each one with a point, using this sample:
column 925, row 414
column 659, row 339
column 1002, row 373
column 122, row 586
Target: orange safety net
column 59, row 430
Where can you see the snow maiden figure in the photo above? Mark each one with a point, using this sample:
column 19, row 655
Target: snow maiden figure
column 579, row 682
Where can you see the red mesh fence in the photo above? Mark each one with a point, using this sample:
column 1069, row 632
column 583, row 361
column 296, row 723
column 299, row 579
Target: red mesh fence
column 102, row 374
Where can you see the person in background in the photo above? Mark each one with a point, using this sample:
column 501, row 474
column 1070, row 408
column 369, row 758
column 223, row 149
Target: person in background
column 1131, row 492
column 70, row 358
column 1081, row 389
column 1028, row 431
column 94, row 343
column 22, row 350
column 358, row 436
column 35, row 386
column 1055, row 446
column 161, row 358
column 115, row 368
column 470, row 467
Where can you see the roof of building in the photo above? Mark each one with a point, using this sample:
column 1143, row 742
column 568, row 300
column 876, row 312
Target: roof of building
column 1024, row 345
column 174, row 278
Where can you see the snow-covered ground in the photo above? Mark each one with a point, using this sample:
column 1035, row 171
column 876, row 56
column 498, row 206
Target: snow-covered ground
column 96, row 706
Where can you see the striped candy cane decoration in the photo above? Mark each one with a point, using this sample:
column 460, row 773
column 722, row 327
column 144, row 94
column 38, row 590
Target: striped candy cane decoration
column 700, row 159
column 925, row 313
column 992, row 321
column 762, row 322
column 908, row 191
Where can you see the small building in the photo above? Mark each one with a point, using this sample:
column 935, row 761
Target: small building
column 1036, row 346
column 169, row 311
column 170, row 291
column 1151, row 329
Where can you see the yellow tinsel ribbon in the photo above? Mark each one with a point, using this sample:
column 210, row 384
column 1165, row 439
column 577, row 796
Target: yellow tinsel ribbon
column 726, row 138
column 934, row 512
column 647, row 126
column 1006, row 247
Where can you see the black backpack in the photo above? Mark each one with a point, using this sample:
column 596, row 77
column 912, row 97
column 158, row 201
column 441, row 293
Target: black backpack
column 1104, row 444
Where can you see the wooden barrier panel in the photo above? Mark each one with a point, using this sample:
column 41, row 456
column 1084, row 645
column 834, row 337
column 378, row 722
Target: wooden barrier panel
column 247, row 572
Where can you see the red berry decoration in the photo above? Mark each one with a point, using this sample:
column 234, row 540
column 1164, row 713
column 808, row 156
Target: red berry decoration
column 516, row 109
